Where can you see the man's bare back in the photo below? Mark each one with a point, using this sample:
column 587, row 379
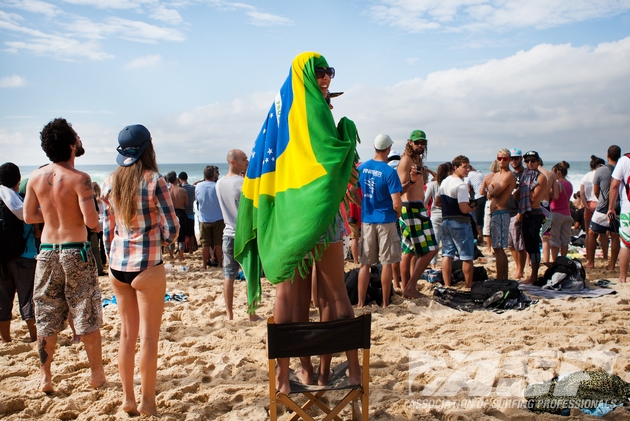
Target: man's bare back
column 179, row 197
column 62, row 197
column 545, row 194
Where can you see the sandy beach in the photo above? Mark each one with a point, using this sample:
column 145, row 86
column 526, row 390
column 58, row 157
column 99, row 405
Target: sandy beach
column 464, row 366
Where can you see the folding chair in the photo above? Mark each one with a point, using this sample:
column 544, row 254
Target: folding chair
column 320, row 338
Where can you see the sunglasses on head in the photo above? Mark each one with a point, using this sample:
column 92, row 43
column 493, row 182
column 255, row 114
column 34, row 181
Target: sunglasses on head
column 321, row 71
column 502, row 158
column 128, row 151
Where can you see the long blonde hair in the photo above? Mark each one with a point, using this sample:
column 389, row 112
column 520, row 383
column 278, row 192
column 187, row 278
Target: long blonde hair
column 125, row 184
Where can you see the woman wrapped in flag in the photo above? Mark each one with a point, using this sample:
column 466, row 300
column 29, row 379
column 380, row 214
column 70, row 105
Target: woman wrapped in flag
column 288, row 216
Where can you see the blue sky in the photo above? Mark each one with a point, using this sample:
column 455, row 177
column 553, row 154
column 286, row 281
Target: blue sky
column 476, row 75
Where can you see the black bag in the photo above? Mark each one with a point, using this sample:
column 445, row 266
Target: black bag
column 479, row 273
column 375, row 288
column 572, row 268
column 494, row 292
column 12, row 241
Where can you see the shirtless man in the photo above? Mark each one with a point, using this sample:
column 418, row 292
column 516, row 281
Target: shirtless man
column 417, row 230
column 179, row 196
column 545, row 202
column 499, row 191
column 532, row 186
column 66, row 278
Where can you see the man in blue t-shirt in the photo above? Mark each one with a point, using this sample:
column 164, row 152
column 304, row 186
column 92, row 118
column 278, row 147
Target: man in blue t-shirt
column 380, row 209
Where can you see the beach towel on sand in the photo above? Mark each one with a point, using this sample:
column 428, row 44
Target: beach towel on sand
column 298, row 174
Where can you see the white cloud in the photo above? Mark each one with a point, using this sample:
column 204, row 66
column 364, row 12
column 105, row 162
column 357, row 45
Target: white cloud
column 34, row 6
column 166, row 15
column 146, row 61
column 131, row 30
column 14, row 81
column 113, row 4
column 566, row 102
column 256, row 17
column 475, row 15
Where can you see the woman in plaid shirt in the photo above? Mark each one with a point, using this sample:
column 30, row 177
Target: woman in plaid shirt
column 139, row 218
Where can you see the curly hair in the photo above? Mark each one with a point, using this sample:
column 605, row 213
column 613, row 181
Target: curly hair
column 416, row 158
column 57, row 137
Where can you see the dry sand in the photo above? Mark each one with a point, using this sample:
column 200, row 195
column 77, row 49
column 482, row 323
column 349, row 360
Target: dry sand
column 212, row 369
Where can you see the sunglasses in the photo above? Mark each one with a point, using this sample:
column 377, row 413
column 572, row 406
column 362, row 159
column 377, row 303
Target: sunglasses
column 419, row 142
column 502, row 158
column 321, row 71
column 128, row 151
column 514, row 158
column 529, row 161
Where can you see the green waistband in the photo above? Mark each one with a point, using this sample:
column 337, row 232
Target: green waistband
column 66, row 246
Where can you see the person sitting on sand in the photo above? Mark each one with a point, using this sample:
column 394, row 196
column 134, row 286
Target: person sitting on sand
column 532, row 186
column 66, row 277
column 139, row 218
column 499, row 192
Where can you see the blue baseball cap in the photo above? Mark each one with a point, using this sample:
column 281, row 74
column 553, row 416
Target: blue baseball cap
column 516, row 152
column 132, row 141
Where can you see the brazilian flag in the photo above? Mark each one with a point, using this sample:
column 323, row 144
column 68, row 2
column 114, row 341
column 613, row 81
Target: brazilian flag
column 297, row 177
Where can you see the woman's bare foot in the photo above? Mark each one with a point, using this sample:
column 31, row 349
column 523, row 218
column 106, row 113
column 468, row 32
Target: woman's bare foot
column 517, row 275
column 131, row 408
column 305, row 375
column 283, row 384
column 354, row 379
column 254, row 318
column 146, row 409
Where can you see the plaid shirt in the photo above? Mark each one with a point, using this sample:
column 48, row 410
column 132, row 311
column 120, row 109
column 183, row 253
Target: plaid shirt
column 140, row 247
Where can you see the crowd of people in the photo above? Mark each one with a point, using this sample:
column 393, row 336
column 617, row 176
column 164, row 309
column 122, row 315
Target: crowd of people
column 398, row 218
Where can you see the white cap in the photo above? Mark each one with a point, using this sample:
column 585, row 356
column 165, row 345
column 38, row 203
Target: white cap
column 382, row 142
column 393, row 154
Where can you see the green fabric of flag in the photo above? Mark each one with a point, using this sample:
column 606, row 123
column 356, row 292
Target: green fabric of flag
column 297, row 177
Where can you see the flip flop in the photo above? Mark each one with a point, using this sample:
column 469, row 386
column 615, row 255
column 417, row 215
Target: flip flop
column 167, row 297
column 107, row 301
column 181, row 297
column 604, row 283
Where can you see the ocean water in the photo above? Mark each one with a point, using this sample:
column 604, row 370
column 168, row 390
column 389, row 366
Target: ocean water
column 98, row 173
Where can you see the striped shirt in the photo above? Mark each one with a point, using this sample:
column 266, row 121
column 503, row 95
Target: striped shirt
column 140, row 247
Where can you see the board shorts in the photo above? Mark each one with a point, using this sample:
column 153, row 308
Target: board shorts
column 379, row 243
column 500, row 229
column 66, row 282
column 545, row 229
column 211, row 233
column 624, row 230
column 230, row 266
column 416, row 229
column 532, row 221
column 515, row 239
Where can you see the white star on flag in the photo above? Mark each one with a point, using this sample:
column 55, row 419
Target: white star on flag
column 269, row 151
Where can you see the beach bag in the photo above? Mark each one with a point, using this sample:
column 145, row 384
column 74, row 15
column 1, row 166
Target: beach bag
column 479, row 273
column 374, row 290
column 12, row 241
column 494, row 292
column 565, row 275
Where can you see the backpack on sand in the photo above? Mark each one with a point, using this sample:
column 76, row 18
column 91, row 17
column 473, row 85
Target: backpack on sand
column 12, row 241
column 565, row 274
column 494, row 292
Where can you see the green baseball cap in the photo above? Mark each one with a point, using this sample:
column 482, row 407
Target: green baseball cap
column 417, row 135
